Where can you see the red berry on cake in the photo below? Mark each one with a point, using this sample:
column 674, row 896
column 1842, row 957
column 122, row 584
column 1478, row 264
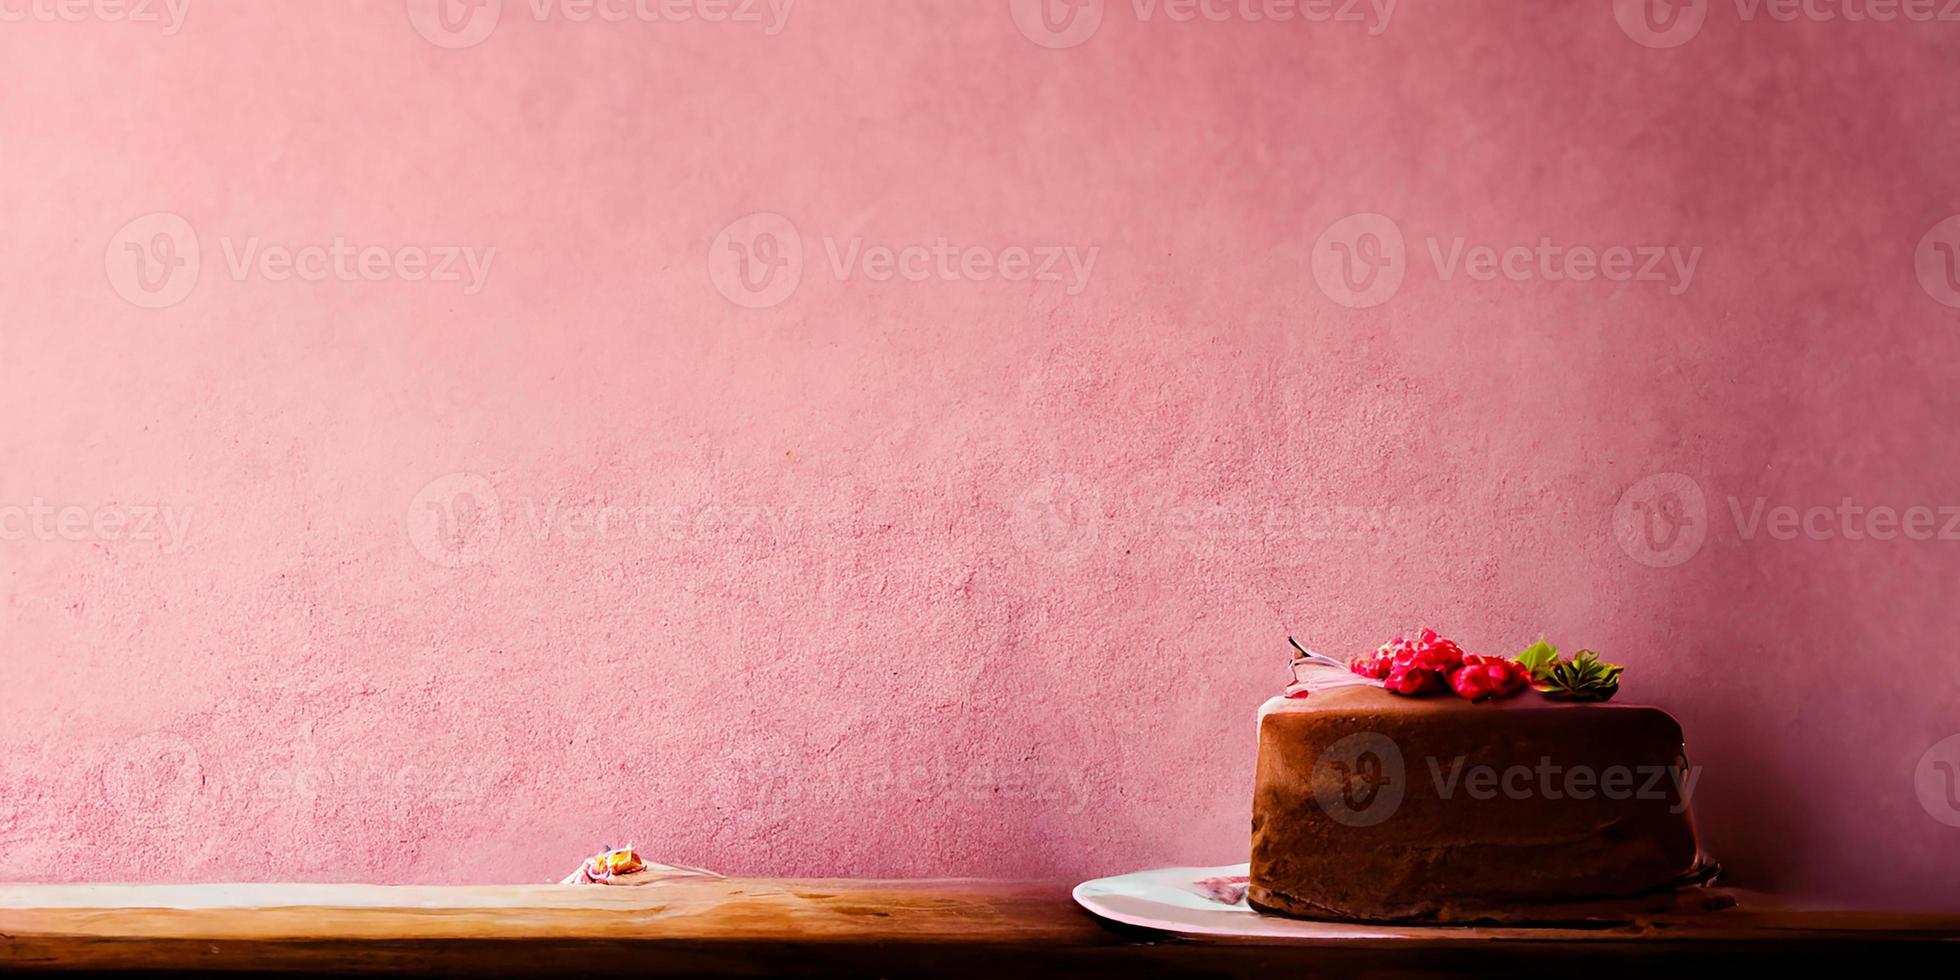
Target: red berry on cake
column 1375, row 666
column 1483, row 677
column 1413, row 666
column 1413, row 680
column 1440, row 657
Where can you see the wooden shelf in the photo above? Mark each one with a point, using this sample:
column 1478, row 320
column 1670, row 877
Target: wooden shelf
column 763, row 927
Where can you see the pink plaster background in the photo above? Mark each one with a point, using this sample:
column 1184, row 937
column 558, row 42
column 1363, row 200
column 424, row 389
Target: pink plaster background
column 950, row 577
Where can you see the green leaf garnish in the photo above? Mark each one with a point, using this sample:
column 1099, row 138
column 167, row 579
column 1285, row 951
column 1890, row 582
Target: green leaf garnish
column 1583, row 678
column 1538, row 657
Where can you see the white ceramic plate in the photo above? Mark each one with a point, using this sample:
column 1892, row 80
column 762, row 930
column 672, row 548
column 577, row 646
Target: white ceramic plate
column 1171, row 899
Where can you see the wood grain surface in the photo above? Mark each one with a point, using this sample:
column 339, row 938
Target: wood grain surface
column 757, row 927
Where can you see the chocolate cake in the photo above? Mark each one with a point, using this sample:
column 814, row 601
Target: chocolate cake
column 1370, row 805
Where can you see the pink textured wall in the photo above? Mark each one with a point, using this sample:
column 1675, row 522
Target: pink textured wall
column 974, row 560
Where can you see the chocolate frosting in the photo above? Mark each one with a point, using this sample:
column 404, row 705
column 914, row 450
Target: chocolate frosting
column 1369, row 806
